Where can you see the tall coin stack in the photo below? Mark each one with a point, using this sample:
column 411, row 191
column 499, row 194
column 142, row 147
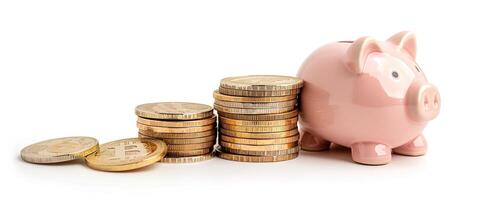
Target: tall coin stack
column 258, row 118
column 188, row 129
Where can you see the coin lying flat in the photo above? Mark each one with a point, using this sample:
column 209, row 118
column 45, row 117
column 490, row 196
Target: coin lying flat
column 261, row 82
column 189, row 159
column 258, row 129
column 196, row 152
column 257, row 105
column 159, row 129
column 127, row 154
column 271, row 135
column 237, row 122
column 274, row 147
column 174, row 111
column 260, row 153
column 161, row 135
column 236, row 140
column 244, row 158
column 59, row 149
column 223, row 97
column 186, row 147
column 262, row 117
column 250, row 111
column 252, row 93
column 172, row 123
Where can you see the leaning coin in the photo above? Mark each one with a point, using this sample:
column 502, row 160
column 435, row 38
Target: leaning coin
column 243, row 158
column 59, row 149
column 262, row 82
column 159, row 129
column 223, row 97
column 174, row 123
column 258, row 148
column 154, row 134
column 258, row 129
column 238, row 122
column 189, row 159
column 127, row 154
column 174, row 111
column 256, row 111
column 251, row 93
column 260, row 141
column 262, row 117
column 260, row 153
column 259, row 105
column 271, row 135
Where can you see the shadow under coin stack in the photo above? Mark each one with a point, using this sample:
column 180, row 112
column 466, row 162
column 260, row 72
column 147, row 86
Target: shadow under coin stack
column 258, row 118
column 188, row 129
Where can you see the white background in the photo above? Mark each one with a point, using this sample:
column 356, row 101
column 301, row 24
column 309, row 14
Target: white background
column 80, row 67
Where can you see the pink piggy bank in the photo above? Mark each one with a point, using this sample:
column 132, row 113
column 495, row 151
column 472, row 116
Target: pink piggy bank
column 368, row 95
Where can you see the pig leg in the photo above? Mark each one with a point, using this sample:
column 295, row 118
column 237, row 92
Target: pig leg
column 309, row 142
column 416, row 147
column 370, row 153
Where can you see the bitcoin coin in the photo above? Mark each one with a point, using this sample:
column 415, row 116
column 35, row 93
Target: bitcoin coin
column 258, row 148
column 127, row 154
column 245, row 158
column 189, row 159
column 223, row 97
column 270, row 135
column 172, row 123
column 261, row 82
column 250, row 93
column 258, row 129
column 59, row 149
column 196, row 152
column 259, row 141
column 186, row 147
column 260, row 153
column 254, row 105
column 236, row 122
column 174, row 111
column 253, row 111
column 153, row 134
column 262, row 117
column 168, row 141
column 159, row 129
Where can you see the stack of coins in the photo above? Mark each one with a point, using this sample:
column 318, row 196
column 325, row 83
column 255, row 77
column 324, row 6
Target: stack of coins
column 188, row 129
column 258, row 118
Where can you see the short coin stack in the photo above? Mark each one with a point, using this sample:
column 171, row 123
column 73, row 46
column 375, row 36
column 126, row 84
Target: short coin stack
column 258, row 118
column 188, row 129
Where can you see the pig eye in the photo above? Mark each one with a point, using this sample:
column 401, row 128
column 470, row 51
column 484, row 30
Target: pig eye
column 394, row 74
column 417, row 68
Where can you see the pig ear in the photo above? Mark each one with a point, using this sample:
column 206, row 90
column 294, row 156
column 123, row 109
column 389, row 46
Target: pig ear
column 405, row 41
column 357, row 53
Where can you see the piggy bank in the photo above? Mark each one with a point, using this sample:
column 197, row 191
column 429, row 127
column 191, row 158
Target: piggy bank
column 368, row 95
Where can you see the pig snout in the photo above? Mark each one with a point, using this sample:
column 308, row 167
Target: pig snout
column 423, row 101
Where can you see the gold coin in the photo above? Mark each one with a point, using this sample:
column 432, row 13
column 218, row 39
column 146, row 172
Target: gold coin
column 196, row 152
column 153, row 134
column 271, row 135
column 244, row 158
column 258, row 129
column 189, row 159
column 127, row 154
column 237, row 122
column 172, row 123
column 174, row 111
column 274, row 147
column 251, row 93
column 262, row 82
column 250, row 111
column 260, row 153
column 169, row 141
column 236, row 140
column 159, row 129
column 223, row 97
column 262, row 117
column 186, row 147
column 59, row 149
column 255, row 105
